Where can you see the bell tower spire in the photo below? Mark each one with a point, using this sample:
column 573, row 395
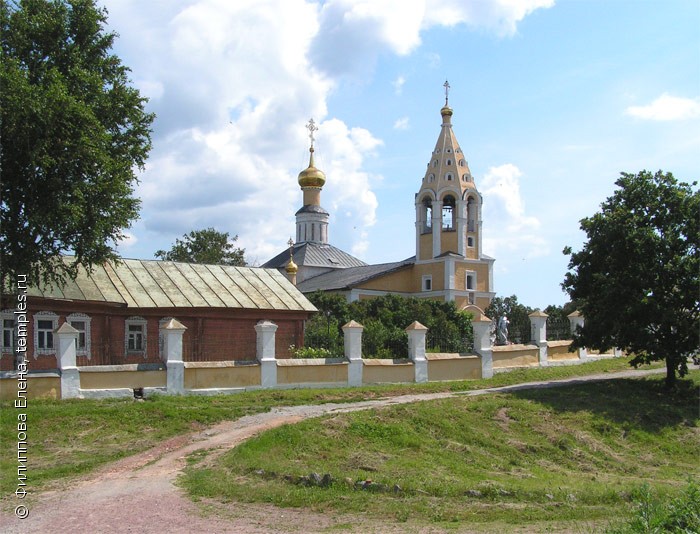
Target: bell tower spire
column 448, row 205
column 312, row 219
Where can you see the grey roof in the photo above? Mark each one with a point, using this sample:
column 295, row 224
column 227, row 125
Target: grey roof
column 311, row 209
column 315, row 255
column 347, row 278
column 166, row 284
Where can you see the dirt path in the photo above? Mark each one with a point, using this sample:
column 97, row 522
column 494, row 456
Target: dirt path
column 138, row 493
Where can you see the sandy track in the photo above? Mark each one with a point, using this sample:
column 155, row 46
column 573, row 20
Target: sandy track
column 138, row 493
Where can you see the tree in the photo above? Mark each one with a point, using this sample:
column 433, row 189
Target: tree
column 519, row 327
column 73, row 133
column 205, row 246
column 636, row 279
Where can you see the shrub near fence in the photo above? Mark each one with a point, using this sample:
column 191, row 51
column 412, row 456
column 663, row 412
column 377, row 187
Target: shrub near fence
column 558, row 328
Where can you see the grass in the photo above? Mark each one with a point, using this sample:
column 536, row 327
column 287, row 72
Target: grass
column 531, row 457
column 73, row 437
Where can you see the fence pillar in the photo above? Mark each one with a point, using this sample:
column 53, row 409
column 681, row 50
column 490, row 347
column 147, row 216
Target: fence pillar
column 352, row 334
column 172, row 333
column 70, row 376
column 576, row 321
column 416, row 350
column 265, row 352
column 482, row 343
column 538, row 333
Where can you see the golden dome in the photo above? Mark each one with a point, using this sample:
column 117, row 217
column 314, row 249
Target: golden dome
column 446, row 111
column 291, row 267
column 311, row 176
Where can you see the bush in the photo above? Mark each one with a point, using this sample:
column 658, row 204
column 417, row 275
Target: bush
column 310, row 352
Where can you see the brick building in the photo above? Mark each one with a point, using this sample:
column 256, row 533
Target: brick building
column 118, row 309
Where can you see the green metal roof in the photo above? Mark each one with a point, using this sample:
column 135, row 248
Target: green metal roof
column 166, row 284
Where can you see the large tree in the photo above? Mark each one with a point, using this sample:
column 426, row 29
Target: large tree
column 636, row 280
column 205, row 246
column 73, row 133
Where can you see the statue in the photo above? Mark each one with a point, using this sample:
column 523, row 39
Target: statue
column 502, row 331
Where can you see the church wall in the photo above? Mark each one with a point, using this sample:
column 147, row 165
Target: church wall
column 400, row 281
column 426, row 246
column 435, row 269
column 482, row 276
column 448, row 242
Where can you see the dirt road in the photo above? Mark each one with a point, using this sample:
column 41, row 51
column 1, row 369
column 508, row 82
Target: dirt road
column 138, row 494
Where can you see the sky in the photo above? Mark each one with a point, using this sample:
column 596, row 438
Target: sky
column 551, row 99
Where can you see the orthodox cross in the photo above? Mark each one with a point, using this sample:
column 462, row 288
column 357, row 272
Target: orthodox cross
column 291, row 245
column 311, row 126
column 446, row 85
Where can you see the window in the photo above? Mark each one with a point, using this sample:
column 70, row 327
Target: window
column 8, row 333
column 431, row 178
column 462, row 163
column 470, row 241
column 435, row 163
column 471, row 281
column 81, row 323
column 427, row 282
column 449, row 162
column 448, row 176
column 135, row 335
column 44, row 327
column 449, row 150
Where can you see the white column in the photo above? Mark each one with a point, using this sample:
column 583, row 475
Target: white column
column 538, row 329
column 416, row 350
column 172, row 333
column 461, row 207
column 352, row 338
column 576, row 321
column 265, row 352
column 481, row 326
column 70, row 376
column 437, row 227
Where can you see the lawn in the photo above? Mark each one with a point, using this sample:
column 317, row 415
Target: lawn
column 532, row 457
column 72, row 437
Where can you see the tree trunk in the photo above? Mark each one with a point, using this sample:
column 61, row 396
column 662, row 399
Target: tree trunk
column 670, row 373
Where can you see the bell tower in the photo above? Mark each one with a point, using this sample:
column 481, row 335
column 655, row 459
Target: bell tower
column 448, row 205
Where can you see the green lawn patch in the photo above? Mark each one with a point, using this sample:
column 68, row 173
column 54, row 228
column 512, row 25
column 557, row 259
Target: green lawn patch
column 72, row 437
column 569, row 454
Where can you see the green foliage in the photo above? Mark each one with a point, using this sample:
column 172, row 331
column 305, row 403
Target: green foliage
column 385, row 320
column 653, row 514
column 73, row 133
column 517, row 314
column 636, row 279
column 205, row 246
column 310, row 352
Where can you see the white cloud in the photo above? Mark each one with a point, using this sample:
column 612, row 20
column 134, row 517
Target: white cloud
column 232, row 85
column 667, row 108
column 512, row 232
column 401, row 124
column 398, row 84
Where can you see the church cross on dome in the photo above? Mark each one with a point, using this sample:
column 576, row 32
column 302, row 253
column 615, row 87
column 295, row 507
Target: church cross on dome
column 446, row 85
column 311, row 126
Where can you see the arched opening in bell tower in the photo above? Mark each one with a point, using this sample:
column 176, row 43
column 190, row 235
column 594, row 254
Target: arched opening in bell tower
column 449, row 213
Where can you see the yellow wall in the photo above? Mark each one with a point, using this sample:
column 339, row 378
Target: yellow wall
column 436, row 269
column 453, row 367
column 401, row 281
column 482, row 275
column 559, row 350
column 386, row 371
column 306, row 371
column 122, row 379
column 448, row 242
column 516, row 356
column 426, row 246
column 38, row 387
column 221, row 375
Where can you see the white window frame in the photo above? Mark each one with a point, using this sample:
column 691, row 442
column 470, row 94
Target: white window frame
column 426, row 282
column 45, row 316
column 83, row 318
column 470, row 242
column 8, row 315
column 466, row 281
column 136, row 321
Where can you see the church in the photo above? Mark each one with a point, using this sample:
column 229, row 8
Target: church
column 449, row 263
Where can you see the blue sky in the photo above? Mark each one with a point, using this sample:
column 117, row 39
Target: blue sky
column 552, row 100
